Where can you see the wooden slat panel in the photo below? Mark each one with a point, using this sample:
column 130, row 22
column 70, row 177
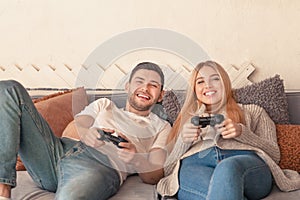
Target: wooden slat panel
column 112, row 77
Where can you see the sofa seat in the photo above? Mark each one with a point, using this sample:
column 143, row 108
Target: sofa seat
column 132, row 189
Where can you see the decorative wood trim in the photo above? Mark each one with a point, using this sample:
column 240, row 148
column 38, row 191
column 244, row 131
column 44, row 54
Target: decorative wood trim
column 65, row 75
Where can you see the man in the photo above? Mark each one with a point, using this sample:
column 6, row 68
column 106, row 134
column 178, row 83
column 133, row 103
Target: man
column 91, row 168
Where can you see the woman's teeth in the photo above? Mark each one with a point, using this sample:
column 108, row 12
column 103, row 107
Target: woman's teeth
column 209, row 93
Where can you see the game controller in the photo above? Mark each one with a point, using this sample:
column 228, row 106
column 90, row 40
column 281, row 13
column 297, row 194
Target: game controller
column 204, row 121
column 105, row 136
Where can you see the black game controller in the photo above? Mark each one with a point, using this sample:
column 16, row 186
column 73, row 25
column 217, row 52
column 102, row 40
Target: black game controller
column 105, row 136
column 204, row 121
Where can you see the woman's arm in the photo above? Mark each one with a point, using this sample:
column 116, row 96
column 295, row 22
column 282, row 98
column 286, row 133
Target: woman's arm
column 260, row 132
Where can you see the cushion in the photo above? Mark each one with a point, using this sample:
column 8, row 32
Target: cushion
column 268, row 94
column 288, row 137
column 58, row 110
column 172, row 103
column 19, row 165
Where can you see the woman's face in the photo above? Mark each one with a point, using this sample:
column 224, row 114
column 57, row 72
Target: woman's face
column 208, row 86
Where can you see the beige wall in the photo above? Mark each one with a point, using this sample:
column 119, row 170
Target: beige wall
column 56, row 32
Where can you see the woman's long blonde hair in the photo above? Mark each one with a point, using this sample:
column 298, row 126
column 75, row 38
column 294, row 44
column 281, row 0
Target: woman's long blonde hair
column 191, row 104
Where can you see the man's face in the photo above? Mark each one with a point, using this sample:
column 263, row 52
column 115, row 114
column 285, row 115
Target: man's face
column 144, row 91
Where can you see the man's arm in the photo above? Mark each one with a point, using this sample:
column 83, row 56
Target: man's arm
column 152, row 171
column 87, row 135
column 149, row 166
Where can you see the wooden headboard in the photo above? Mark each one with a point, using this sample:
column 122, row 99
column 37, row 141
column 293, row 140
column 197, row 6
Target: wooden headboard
column 111, row 77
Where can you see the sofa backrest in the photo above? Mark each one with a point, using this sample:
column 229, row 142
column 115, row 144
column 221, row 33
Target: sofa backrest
column 119, row 98
column 293, row 99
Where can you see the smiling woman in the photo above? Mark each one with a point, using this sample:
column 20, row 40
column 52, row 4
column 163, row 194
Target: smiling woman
column 242, row 150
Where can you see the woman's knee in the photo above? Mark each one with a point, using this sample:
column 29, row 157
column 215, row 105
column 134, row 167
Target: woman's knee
column 230, row 167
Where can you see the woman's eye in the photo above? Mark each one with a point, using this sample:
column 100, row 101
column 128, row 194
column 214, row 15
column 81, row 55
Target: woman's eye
column 200, row 82
column 215, row 78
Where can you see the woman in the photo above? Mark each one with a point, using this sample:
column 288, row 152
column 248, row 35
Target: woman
column 232, row 160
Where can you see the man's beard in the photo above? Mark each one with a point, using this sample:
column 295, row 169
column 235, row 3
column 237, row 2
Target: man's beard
column 140, row 107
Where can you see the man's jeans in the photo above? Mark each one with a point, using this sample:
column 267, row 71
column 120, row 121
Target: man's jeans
column 69, row 168
column 217, row 174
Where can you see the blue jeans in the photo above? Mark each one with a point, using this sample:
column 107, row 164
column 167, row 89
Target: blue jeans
column 69, row 168
column 216, row 174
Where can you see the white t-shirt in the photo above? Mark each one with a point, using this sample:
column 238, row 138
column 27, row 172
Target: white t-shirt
column 145, row 133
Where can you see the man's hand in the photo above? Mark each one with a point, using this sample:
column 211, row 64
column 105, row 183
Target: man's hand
column 128, row 151
column 91, row 138
column 149, row 166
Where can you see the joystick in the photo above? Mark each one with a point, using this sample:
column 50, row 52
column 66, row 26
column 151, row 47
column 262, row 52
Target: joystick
column 204, row 121
column 105, row 136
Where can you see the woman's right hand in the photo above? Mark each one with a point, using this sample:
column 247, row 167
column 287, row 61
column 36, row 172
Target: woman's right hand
column 190, row 133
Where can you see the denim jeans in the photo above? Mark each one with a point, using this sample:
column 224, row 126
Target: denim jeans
column 69, row 168
column 216, row 174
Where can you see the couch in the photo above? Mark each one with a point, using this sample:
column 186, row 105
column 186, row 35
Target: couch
column 133, row 188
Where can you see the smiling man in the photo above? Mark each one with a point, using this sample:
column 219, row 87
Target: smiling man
column 144, row 89
column 90, row 168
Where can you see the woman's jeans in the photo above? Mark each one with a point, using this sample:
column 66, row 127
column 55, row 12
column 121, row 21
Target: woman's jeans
column 69, row 168
column 217, row 174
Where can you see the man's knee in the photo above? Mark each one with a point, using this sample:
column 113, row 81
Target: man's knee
column 10, row 83
column 88, row 186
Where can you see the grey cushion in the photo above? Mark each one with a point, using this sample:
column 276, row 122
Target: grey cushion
column 268, row 94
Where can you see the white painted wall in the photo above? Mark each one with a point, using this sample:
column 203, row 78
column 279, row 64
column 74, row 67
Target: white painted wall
column 63, row 33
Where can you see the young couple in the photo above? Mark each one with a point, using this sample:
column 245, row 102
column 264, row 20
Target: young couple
column 232, row 160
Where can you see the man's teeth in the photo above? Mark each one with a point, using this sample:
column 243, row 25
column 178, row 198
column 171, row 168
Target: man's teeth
column 209, row 93
column 143, row 96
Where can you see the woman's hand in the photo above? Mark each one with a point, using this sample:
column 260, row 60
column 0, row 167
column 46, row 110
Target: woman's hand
column 190, row 133
column 229, row 129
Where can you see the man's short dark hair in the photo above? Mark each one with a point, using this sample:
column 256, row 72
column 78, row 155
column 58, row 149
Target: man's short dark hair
column 149, row 66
